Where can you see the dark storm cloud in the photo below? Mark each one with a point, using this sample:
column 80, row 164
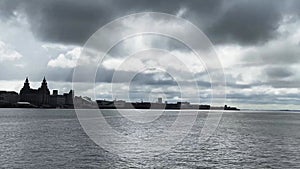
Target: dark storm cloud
column 73, row 21
column 60, row 21
column 70, row 21
column 248, row 22
column 7, row 8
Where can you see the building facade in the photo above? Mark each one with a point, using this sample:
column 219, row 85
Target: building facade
column 42, row 97
column 38, row 96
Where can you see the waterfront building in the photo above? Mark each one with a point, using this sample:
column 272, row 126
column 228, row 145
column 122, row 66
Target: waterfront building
column 41, row 96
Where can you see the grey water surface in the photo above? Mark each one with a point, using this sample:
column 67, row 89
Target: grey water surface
column 40, row 138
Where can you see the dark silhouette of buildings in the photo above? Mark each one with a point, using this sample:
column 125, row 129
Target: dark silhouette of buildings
column 8, row 97
column 63, row 101
column 41, row 97
column 121, row 104
column 38, row 96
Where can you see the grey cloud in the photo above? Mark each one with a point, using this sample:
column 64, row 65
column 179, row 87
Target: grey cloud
column 282, row 83
column 264, row 98
column 7, row 8
column 293, row 7
column 274, row 83
column 9, row 71
column 68, row 22
column 106, row 76
column 239, row 86
column 246, row 22
column 65, row 21
column 149, row 41
column 278, row 72
column 274, row 54
column 59, row 74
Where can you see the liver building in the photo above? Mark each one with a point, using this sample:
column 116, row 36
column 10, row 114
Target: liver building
column 41, row 96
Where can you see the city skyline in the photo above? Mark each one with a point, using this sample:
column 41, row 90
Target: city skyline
column 42, row 97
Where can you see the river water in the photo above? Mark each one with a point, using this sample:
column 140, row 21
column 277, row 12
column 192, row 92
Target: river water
column 39, row 138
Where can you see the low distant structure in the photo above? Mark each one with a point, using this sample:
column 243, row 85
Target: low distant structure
column 121, row 104
column 230, row 108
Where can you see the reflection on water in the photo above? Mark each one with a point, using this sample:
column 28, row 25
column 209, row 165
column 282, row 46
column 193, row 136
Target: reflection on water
column 33, row 138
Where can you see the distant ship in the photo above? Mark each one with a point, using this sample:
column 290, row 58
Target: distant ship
column 121, row 104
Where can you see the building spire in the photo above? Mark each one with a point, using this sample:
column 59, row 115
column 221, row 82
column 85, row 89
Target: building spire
column 44, row 83
column 26, row 83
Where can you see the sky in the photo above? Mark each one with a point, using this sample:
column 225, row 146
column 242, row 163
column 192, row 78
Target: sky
column 257, row 43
